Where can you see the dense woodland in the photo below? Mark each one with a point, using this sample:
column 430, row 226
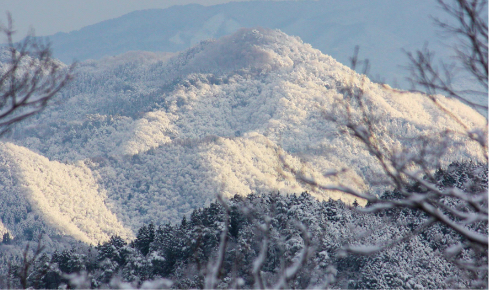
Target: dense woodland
column 116, row 187
column 301, row 235
column 150, row 139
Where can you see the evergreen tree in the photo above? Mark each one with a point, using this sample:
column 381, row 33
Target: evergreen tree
column 183, row 251
column 144, row 238
column 6, row 238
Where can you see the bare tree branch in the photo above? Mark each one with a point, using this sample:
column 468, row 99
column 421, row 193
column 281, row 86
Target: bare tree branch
column 463, row 212
column 215, row 267
column 29, row 77
column 469, row 27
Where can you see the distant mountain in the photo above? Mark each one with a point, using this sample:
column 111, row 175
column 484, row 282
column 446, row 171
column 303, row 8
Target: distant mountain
column 146, row 137
column 382, row 28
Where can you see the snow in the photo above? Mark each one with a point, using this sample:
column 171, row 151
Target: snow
column 3, row 229
column 150, row 138
column 364, row 249
column 454, row 250
column 67, row 196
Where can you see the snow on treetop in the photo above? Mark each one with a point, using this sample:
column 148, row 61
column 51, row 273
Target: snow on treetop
column 257, row 49
column 161, row 137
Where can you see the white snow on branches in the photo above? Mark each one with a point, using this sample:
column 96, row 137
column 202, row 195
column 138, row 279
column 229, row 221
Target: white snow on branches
column 164, row 136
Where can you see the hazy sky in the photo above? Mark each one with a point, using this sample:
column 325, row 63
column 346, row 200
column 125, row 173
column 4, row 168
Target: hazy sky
column 51, row 16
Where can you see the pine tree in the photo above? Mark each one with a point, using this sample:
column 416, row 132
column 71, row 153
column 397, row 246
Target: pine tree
column 6, row 238
column 114, row 250
column 145, row 237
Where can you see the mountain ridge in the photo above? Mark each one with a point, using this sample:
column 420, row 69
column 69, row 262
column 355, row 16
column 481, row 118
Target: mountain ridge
column 162, row 136
column 331, row 26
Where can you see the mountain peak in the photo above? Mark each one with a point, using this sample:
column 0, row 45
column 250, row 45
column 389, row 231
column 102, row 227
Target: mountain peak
column 251, row 49
column 159, row 138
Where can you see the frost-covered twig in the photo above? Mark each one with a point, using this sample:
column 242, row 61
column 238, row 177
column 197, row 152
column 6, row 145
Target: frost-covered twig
column 372, row 249
column 469, row 27
column 409, row 170
column 214, row 267
column 27, row 263
column 260, row 260
column 291, row 271
column 28, row 79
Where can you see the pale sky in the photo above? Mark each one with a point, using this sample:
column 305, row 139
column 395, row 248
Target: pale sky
column 50, row 16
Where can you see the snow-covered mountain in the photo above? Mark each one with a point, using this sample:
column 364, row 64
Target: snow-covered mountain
column 146, row 137
column 382, row 28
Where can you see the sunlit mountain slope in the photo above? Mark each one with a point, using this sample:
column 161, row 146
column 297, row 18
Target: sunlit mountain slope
column 64, row 198
column 147, row 138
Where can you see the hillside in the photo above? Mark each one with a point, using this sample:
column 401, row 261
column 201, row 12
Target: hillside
column 150, row 137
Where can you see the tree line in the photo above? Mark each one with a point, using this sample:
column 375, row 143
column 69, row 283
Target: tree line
column 276, row 241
